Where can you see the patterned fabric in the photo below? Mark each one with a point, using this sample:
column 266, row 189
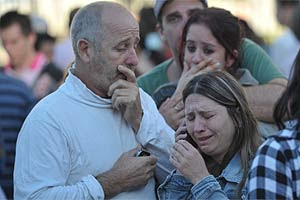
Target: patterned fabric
column 176, row 186
column 275, row 171
column 16, row 101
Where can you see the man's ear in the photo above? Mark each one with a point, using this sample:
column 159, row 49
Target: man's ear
column 84, row 50
column 160, row 30
column 231, row 59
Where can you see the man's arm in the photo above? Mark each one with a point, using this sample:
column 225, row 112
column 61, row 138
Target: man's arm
column 43, row 165
column 262, row 98
column 128, row 173
column 156, row 136
column 140, row 111
column 260, row 65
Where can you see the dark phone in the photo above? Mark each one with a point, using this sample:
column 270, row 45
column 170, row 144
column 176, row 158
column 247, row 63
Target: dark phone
column 190, row 140
column 142, row 153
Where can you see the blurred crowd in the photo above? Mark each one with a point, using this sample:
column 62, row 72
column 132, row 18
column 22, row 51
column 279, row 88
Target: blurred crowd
column 247, row 78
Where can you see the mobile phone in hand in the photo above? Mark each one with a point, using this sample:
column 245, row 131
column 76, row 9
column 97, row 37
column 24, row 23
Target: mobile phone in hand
column 190, row 140
column 140, row 153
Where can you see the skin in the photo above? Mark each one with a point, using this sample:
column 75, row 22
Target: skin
column 201, row 44
column 109, row 73
column 20, row 48
column 210, row 126
column 48, row 49
column 174, row 17
column 261, row 105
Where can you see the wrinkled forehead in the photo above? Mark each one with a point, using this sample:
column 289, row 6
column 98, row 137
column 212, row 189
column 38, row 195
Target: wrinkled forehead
column 198, row 102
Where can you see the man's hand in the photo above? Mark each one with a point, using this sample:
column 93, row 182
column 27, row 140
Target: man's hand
column 172, row 111
column 188, row 161
column 125, row 97
column 128, row 173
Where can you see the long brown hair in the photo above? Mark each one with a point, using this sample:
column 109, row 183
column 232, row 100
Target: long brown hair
column 222, row 88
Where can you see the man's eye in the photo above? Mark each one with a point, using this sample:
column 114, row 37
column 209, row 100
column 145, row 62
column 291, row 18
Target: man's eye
column 173, row 19
column 122, row 47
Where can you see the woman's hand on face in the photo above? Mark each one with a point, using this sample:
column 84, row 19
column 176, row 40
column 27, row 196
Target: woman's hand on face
column 189, row 72
column 188, row 161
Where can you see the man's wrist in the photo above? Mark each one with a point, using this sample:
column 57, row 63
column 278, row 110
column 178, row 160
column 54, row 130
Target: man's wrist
column 109, row 186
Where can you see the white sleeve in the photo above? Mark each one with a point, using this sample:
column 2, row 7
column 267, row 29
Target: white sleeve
column 156, row 136
column 43, row 164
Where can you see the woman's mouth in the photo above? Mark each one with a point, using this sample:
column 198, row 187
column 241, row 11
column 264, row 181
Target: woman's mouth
column 204, row 139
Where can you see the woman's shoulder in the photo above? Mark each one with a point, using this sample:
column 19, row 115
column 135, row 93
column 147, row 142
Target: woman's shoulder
column 282, row 145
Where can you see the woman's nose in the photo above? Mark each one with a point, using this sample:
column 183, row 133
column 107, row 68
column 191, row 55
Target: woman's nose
column 199, row 125
column 197, row 57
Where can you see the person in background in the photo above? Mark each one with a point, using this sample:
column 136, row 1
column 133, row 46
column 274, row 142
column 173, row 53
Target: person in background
column 16, row 101
column 172, row 16
column 275, row 171
column 284, row 50
column 26, row 64
column 151, row 49
column 63, row 52
column 205, row 46
column 45, row 43
column 80, row 142
column 215, row 146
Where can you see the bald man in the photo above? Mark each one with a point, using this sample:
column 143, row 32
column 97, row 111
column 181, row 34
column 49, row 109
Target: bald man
column 80, row 142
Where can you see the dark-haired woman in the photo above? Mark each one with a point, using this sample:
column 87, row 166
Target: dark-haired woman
column 275, row 171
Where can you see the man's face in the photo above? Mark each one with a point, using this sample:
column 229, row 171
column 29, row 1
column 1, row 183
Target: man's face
column 118, row 47
column 174, row 16
column 16, row 43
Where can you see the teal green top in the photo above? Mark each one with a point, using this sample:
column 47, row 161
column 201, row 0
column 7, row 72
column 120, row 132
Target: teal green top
column 253, row 58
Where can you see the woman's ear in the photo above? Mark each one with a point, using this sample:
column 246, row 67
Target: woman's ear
column 231, row 59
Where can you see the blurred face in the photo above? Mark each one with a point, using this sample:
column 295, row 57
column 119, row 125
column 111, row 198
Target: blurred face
column 47, row 48
column 174, row 17
column 201, row 44
column 118, row 47
column 210, row 126
column 16, row 43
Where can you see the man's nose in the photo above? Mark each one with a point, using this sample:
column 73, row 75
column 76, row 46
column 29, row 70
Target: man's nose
column 132, row 58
